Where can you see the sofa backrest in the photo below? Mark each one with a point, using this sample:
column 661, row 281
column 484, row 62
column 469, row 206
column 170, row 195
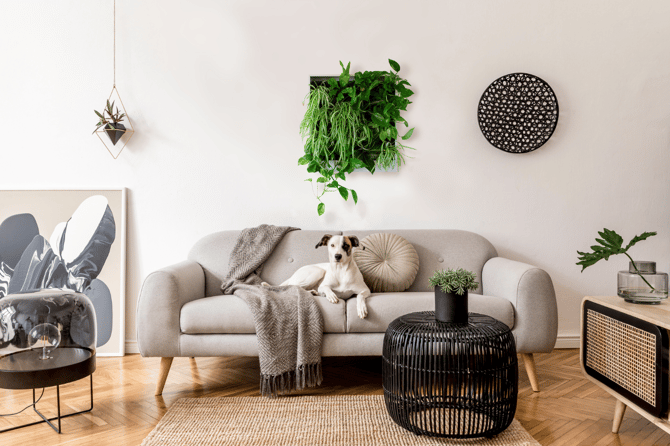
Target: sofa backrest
column 296, row 249
column 442, row 249
column 437, row 249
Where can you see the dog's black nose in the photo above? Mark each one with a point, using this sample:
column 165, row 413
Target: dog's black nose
column 338, row 256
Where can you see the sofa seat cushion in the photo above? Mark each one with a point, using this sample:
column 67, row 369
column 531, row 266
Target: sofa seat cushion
column 228, row 314
column 384, row 308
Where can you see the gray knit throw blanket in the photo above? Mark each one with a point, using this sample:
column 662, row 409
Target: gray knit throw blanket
column 289, row 325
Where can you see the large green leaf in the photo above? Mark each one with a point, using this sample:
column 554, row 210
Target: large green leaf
column 343, row 192
column 321, row 208
column 313, row 167
column 383, row 135
column 378, row 119
column 394, row 65
column 639, row 238
column 610, row 243
column 404, row 92
column 610, row 239
column 358, row 163
column 393, row 133
column 344, row 77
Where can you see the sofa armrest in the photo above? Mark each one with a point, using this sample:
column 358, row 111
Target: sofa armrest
column 531, row 291
column 163, row 294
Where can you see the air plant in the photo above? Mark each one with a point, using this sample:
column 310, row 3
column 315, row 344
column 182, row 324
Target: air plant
column 109, row 118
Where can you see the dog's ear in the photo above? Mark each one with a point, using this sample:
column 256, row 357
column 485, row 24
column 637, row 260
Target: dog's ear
column 324, row 240
column 354, row 241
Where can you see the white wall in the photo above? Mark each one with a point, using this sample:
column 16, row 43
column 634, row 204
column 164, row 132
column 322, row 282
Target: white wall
column 214, row 90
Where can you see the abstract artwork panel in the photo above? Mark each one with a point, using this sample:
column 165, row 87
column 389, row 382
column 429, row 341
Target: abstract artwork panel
column 68, row 239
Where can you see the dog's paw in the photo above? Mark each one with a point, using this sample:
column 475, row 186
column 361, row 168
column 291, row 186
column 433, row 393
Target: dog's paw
column 265, row 284
column 314, row 292
column 332, row 298
column 362, row 308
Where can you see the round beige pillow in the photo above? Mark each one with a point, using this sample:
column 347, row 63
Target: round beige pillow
column 389, row 263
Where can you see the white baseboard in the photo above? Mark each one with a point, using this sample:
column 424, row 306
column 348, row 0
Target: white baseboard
column 563, row 341
column 131, row 347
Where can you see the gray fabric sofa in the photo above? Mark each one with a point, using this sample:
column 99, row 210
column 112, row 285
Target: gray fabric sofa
column 181, row 312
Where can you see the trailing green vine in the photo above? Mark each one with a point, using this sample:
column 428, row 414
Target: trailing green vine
column 350, row 123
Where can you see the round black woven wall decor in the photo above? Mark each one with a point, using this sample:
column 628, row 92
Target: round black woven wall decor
column 518, row 113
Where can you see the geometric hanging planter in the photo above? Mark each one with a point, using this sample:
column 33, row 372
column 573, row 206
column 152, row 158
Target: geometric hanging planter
column 111, row 129
column 115, row 139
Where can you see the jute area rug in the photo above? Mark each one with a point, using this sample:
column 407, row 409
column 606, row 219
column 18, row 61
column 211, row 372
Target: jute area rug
column 300, row 420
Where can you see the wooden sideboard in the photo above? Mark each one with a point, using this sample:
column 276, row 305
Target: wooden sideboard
column 624, row 350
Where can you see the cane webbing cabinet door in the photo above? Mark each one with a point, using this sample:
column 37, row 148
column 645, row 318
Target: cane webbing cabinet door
column 624, row 350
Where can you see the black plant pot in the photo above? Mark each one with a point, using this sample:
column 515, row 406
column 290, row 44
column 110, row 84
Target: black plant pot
column 115, row 135
column 450, row 307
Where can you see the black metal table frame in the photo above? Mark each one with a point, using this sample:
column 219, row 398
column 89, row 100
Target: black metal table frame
column 59, row 417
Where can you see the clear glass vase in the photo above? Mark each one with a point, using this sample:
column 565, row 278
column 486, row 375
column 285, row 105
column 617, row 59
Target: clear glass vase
column 647, row 287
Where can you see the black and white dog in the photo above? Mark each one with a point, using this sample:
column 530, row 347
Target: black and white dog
column 338, row 279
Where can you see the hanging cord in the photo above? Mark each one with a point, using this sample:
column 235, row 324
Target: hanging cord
column 29, row 405
column 114, row 43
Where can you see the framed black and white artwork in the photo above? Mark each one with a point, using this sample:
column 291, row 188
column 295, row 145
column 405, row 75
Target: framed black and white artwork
column 69, row 239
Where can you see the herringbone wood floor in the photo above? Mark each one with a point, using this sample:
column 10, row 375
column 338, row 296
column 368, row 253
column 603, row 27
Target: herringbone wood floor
column 568, row 411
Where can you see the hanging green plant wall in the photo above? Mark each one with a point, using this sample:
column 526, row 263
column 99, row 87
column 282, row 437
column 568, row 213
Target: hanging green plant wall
column 350, row 123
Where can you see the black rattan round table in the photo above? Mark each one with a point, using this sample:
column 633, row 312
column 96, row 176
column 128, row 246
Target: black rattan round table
column 450, row 380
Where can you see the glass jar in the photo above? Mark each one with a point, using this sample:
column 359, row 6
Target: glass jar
column 642, row 285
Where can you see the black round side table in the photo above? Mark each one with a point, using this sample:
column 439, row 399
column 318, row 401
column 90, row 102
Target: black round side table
column 450, row 380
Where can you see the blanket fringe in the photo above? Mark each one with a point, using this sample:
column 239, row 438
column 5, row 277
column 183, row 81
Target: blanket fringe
column 305, row 375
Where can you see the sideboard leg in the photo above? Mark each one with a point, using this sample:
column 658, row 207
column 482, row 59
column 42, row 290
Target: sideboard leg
column 162, row 376
column 619, row 410
column 529, row 362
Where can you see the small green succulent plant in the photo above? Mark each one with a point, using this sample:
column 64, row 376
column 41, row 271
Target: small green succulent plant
column 454, row 281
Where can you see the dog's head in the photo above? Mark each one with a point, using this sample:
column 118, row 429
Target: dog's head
column 339, row 247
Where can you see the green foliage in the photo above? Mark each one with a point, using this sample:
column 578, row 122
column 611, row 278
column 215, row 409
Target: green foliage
column 454, row 281
column 108, row 117
column 350, row 123
column 611, row 244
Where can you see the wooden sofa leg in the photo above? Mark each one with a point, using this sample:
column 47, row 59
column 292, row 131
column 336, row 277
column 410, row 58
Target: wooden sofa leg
column 162, row 376
column 529, row 362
